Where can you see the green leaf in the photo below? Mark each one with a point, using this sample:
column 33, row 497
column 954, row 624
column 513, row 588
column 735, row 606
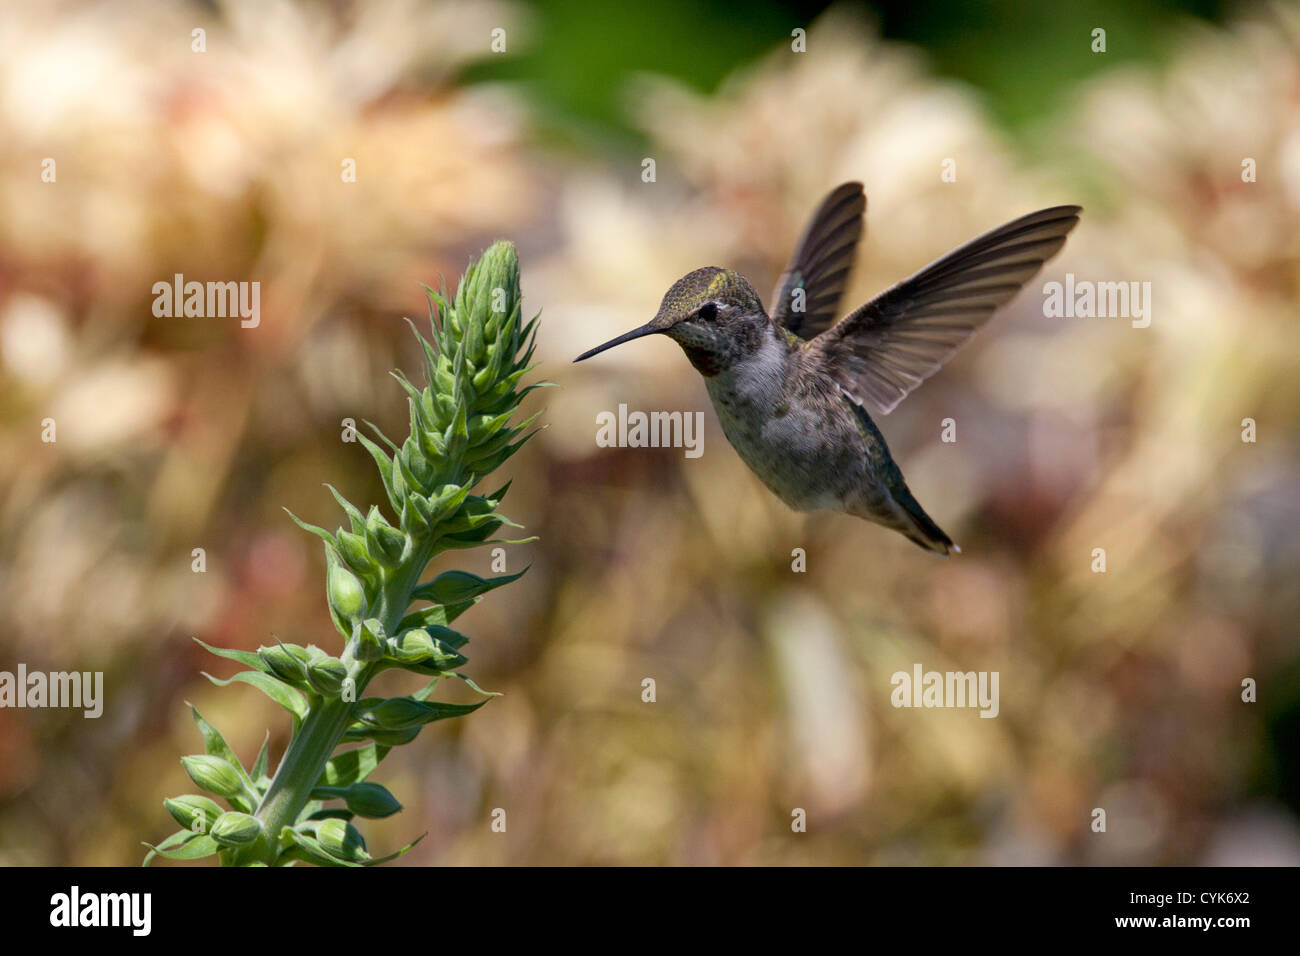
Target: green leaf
column 499, row 495
column 384, row 740
column 382, row 437
column 477, row 539
column 456, row 610
column 309, row 847
column 288, row 698
column 404, row 713
column 199, row 846
column 405, row 382
column 425, row 692
column 179, row 837
column 454, row 587
column 462, row 542
column 349, row 767
column 355, row 518
column 319, row 532
column 385, row 469
column 485, row 693
column 247, row 658
column 427, row 617
column 259, row 770
column 332, row 813
column 215, row 744
column 449, row 637
column 375, row 861
column 484, row 526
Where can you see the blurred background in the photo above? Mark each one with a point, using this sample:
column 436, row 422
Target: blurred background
column 1119, row 690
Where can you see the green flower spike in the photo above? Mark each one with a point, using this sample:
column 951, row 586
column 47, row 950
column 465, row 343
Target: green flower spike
column 461, row 431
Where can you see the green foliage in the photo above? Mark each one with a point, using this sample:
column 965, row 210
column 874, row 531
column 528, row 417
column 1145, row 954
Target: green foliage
column 460, row 432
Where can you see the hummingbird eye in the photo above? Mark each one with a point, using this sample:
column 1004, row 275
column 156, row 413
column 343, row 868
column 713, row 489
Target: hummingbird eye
column 708, row 312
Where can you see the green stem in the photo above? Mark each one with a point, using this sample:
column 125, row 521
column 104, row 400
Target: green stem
column 323, row 728
column 303, row 763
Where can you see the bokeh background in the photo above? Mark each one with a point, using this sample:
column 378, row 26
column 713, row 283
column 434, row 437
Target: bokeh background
column 1119, row 690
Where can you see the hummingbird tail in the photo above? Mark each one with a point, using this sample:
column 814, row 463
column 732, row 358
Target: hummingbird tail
column 924, row 532
column 940, row 544
column 909, row 519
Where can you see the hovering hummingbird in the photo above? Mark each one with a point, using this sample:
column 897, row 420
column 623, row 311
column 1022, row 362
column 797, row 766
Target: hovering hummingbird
column 790, row 389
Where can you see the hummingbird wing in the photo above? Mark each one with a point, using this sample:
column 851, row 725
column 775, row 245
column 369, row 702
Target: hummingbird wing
column 821, row 263
column 884, row 349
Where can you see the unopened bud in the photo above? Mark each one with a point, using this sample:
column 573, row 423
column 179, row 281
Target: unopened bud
column 364, row 799
column 371, row 646
column 193, row 811
column 399, row 713
column 346, row 595
column 236, row 829
column 284, row 663
column 418, row 645
column 213, row 774
column 326, row 675
column 353, row 549
column 371, row 800
column 341, row 839
column 387, row 541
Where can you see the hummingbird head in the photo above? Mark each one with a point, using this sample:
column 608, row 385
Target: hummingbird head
column 713, row 314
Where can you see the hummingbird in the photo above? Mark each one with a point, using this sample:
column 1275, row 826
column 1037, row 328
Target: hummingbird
column 791, row 388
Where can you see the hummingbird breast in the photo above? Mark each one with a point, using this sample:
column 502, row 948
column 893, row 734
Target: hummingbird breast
column 791, row 425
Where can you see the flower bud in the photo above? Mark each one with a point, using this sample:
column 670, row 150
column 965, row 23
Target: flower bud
column 191, row 809
column 364, row 799
column 284, row 663
column 398, row 713
column 326, row 675
column 413, row 522
column 483, row 377
column 346, row 595
column 236, row 829
column 475, row 346
column 352, row 547
column 384, row 542
column 412, row 644
column 371, row 640
column 418, row 645
column 371, row 800
column 213, row 774
column 341, row 839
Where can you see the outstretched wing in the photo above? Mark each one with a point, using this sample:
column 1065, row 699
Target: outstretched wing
column 896, row 341
column 821, row 263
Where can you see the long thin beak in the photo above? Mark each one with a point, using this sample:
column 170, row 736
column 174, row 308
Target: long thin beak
column 647, row 329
